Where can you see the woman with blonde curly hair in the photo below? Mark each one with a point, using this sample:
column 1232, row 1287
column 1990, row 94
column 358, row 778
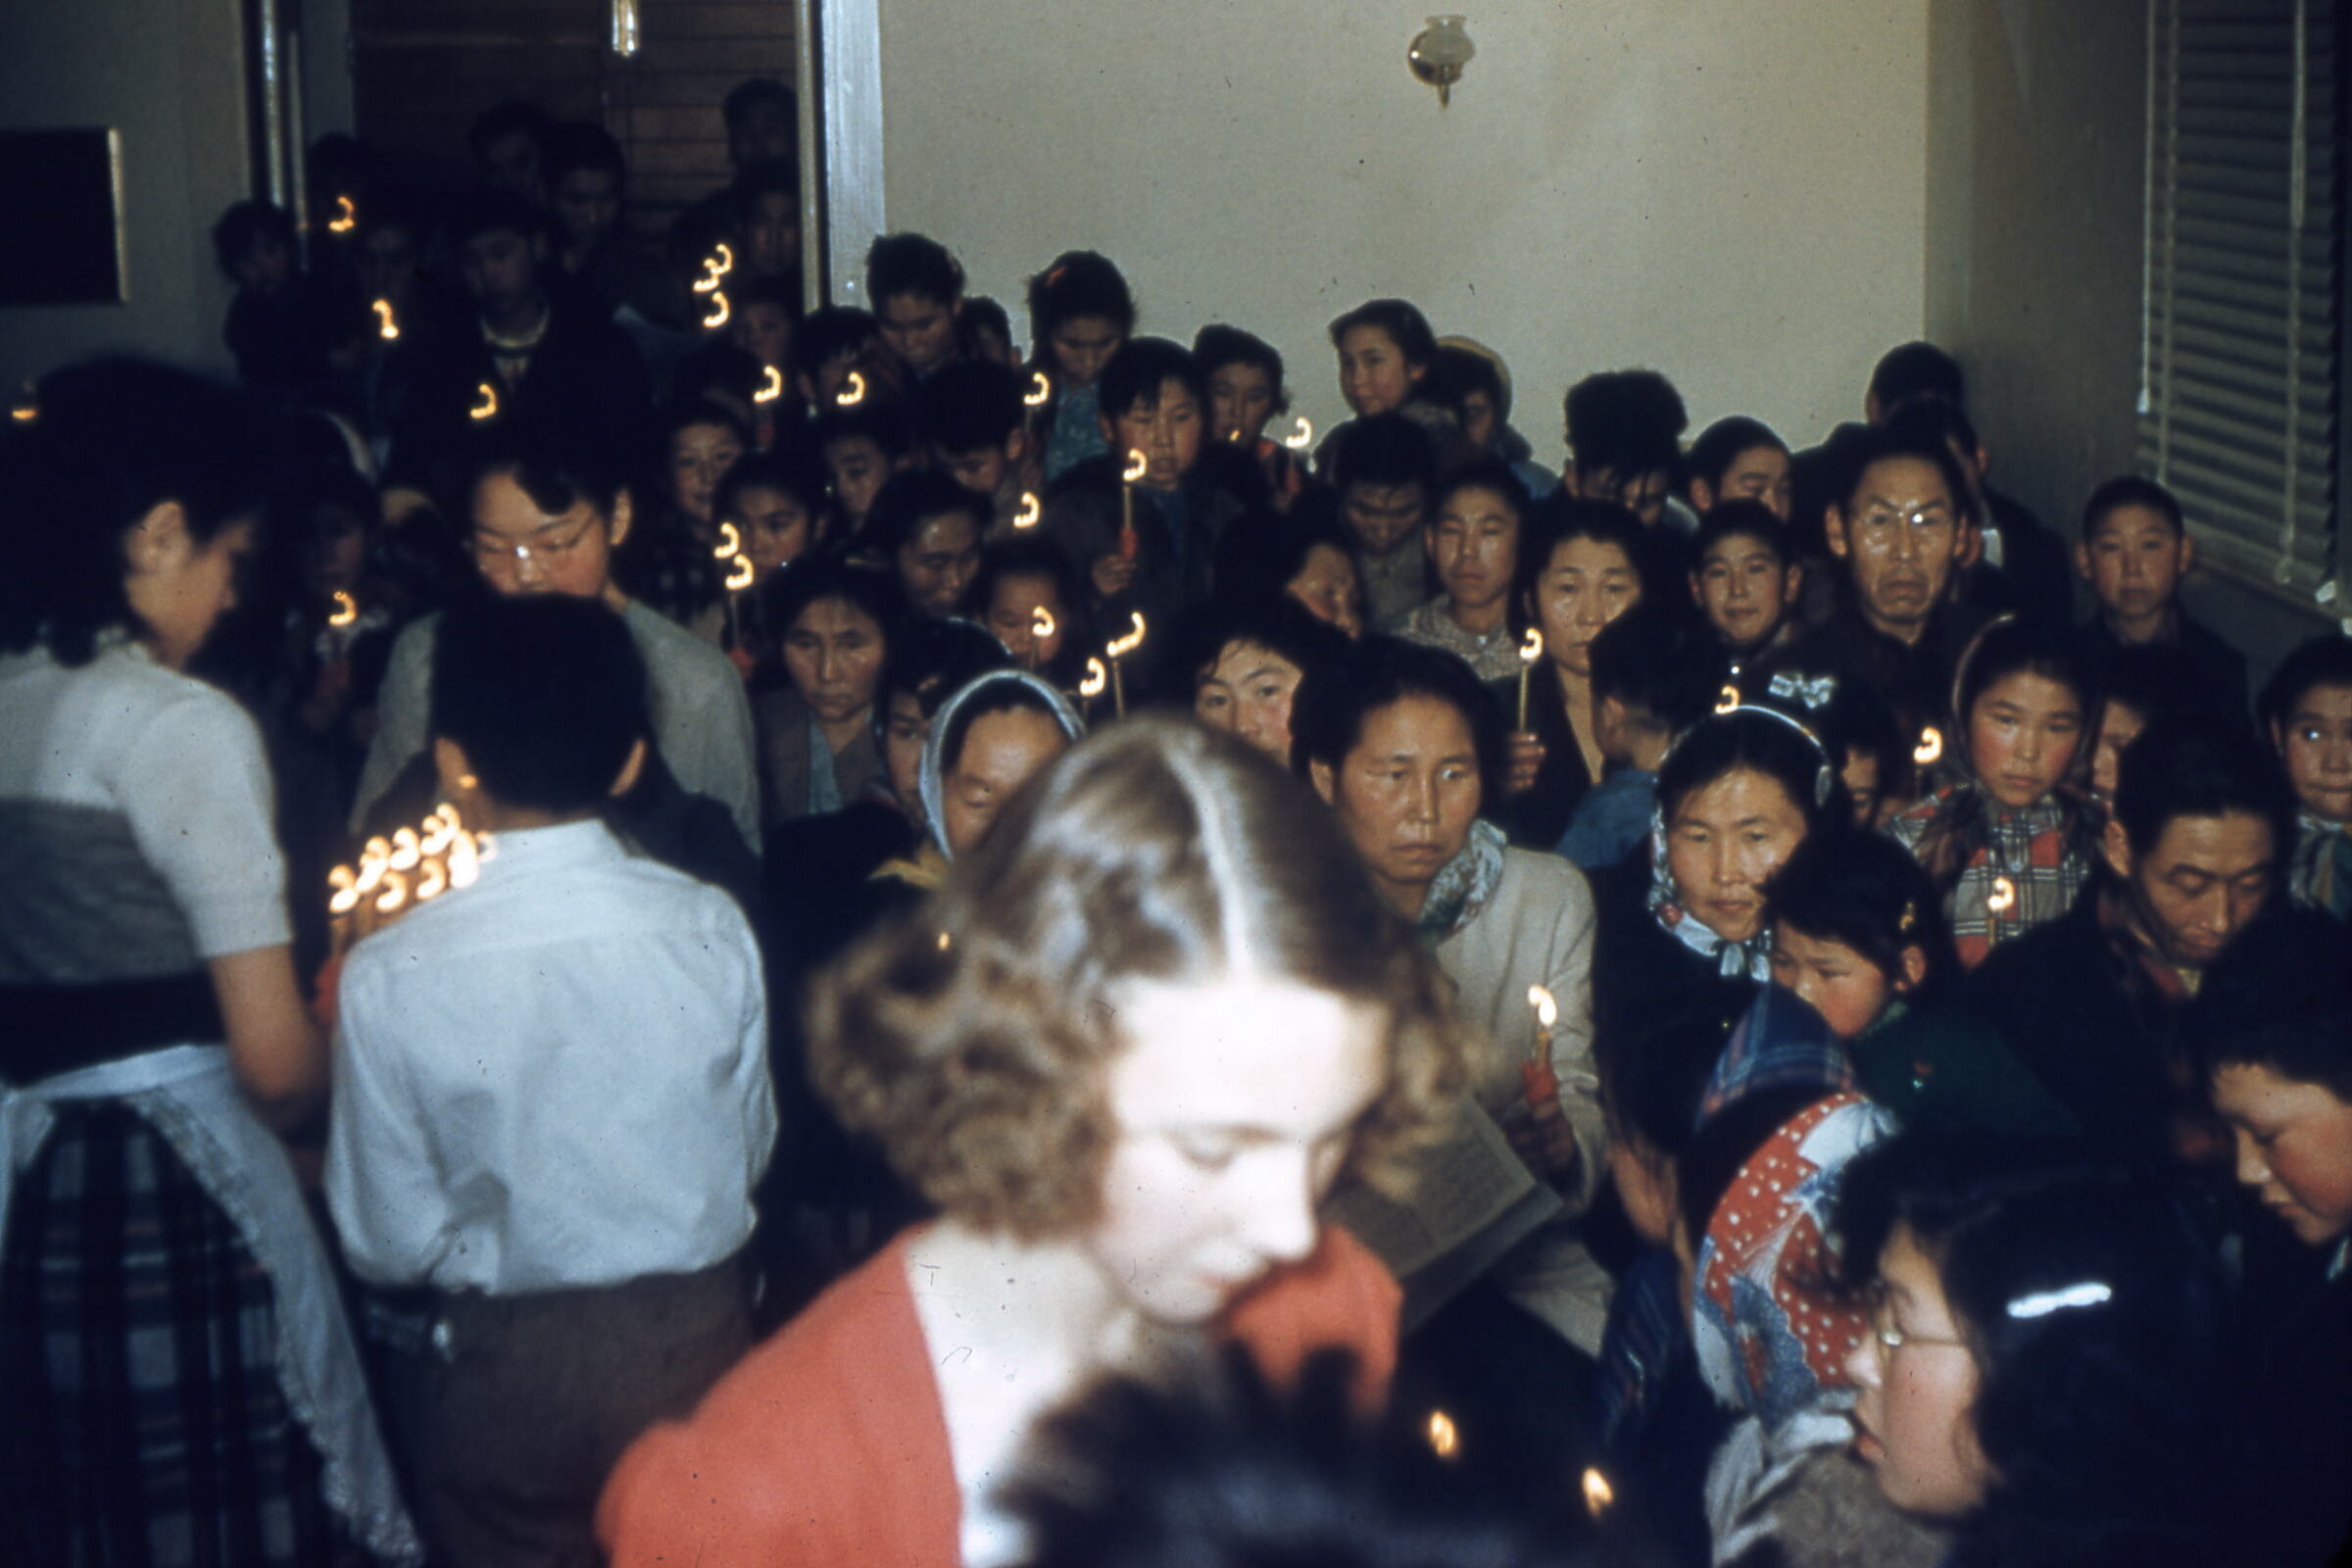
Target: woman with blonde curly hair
column 1125, row 1050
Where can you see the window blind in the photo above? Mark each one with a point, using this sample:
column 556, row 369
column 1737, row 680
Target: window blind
column 2241, row 343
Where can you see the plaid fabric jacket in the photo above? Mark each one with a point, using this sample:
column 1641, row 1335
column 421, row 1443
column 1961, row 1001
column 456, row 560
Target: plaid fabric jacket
column 2029, row 871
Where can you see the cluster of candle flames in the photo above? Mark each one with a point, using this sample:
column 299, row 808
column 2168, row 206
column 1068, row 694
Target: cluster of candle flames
column 413, row 863
column 1445, row 1441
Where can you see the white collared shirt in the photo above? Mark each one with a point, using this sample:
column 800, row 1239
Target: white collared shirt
column 557, row 1077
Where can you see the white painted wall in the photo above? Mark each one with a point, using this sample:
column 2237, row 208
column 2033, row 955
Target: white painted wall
column 1731, row 190
column 171, row 79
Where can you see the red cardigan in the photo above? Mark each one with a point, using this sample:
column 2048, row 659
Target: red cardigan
column 826, row 1446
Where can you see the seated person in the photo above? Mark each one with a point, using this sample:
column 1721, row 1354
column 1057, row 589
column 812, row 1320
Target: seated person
column 1249, row 662
column 1652, row 681
column 1397, row 739
column 1471, row 533
column 916, row 289
column 1737, row 458
column 1243, row 373
column 2194, row 849
column 1385, row 471
column 2274, row 1031
column 2005, row 833
column 1747, row 582
column 926, row 529
column 1030, row 598
column 1081, row 315
column 547, row 521
column 2135, row 553
column 1384, row 350
column 2307, row 708
column 551, row 1103
column 1124, row 1050
column 978, row 434
column 1625, row 431
column 834, row 620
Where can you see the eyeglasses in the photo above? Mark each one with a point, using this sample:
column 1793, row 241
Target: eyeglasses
column 490, row 552
column 1891, row 1335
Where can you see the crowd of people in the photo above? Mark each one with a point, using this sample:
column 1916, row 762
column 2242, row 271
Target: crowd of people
column 639, row 925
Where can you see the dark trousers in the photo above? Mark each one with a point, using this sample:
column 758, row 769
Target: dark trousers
column 507, row 1423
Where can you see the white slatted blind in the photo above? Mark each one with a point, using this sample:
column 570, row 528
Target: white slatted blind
column 2240, row 356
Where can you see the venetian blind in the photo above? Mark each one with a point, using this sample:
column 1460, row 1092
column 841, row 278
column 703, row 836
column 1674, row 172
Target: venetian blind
column 2240, row 369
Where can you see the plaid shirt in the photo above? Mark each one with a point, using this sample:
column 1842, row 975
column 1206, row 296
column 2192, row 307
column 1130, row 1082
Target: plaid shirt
column 2027, row 872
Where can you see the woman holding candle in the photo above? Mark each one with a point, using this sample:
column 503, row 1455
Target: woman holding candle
column 155, row 1034
column 1124, row 1050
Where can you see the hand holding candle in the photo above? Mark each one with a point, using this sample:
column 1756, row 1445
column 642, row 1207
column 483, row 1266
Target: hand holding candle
column 1129, row 543
column 1546, row 1142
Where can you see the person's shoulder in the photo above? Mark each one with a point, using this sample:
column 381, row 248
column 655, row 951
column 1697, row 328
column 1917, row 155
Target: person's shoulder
column 1546, row 879
column 672, row 651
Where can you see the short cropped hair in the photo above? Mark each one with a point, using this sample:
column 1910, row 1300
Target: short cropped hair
column 932, row 660
column 908, row 501
column 577, row 144
column 1887, row 442
column 1720, row 445
column 482, row 212
column 1332, row 704
column 1079, row 284
column 1216, row 346
column 1400, row 320
column 876, row 419
column 2200, row 767
column 911, row 263
column 970, row 404
column 2130, row 490
column 2323, row 661
column 828, row 332
column 1625, row 422
column 1141, row 368
column 1278, row 623
column 246, row 223
column 871, row 590
column 546, row 693
column 1916, row 370
column 791, row 471
column 1387, row 450
column 1660, row 663
column 757, row 92
column 974, row 1039
column 2282, row 1001
column 1740, row 518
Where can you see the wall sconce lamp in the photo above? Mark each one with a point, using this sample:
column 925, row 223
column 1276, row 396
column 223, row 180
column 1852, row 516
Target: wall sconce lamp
column 1439, row 54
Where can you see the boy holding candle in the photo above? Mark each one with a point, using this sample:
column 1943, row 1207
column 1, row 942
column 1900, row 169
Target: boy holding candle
column 1651, row 680
column 551, row 1103
column 978, row 433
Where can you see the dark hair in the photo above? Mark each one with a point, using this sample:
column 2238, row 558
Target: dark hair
column 1652, row 1081
column 578, row 144
column 2096, row 1319
column 911, row 263
column 1216, row 346
column 876, row 419
column 1278, row 624
column 1400, row 320
column 1246, row 1471
column 1864, row 891
column 685, row 413
column 1484, row 473
column 2023, row 644
column 1078, row 283
column 1759, row 738
column 1934, row 419
column 828, row 332
column 1387, row 450
column 1740, row 518
column 1332, row 705
column 2200, row 767
column 545, row 692
column 1626, row 421
column 757, row 92
column 112, row 440
column 2155, row 680
column 557, row 474
column 1141, row 368
column 1457, row 372
column 980, row 314
column 788, row 470
column 1560, row 518
column 812, row 579
column 2130, row 490
column 504, row 119
column 714, row 365
column 246, row 223
column 1721, row 1147
column 1916, row 370
column 1721, row 444
column 2322, row 660
column 1885, row 443
column 484, row 211
column 1660, row 663
column 1258, row 555
column 908, row 501
column 970, row 404
column 769, row 176
column 2281, row 1000
column 1028, row 556
column 932, row 660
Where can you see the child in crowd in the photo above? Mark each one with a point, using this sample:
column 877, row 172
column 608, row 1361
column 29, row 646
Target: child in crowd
column 1746, row 581
column 2144, row 683
column 862, row 447
column 985, row 332
column 1080, row 313
column 926, row 528
column 1650, row 682
column 274, row 323
column 670, row 561
column 1032, row 600
column 1385, row 349
column 833, row 341
column 2135, row 553
column 1471, row 536
column 1306, row 556
column 552, row 1102
column 1472, row 380
column 1737, row 458
column 1625, row 429
column 1244, row 390
column 779, row 504
column 2009, row 840
column 977, row 431
column 2307, row 708
column 916, row 289
column 1385, row 471
column 1250, row 661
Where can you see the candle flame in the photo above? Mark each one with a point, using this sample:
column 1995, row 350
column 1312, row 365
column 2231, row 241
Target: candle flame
column 1121, row 647
column 440, row 830
column 346, row 897
column 1096, row 678
column 771, row 388
column 1598, row 1493
column 1137, row 467
column 407, row 850
column 718, row 311
column 434, row 882
column 1040, row 389
column 946, row 941
column 707, row 283
column 25, row 413
column 346, row 219
column 730, row 541
column 852, row 391
column 741, row 574
column 1030, row 512
column 722, row 261
column 1042, row 621
column 1547, row 1011
column 1444, row 1440
column 2003, row 897
column 1728, row 701
column 1929, row 748
column 395, row 894
column 1302, row 436
column 486, row 404
column 1531, row 646
column 345, row 610
column 373, row 855
column 386, row 326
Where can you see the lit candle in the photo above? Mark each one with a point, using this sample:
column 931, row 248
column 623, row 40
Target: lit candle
column 1302, row 436
column 485, row 403
column 1531, row 649
column 851, row 393
column 346, row 893
column 1042, row 625
column 1444, row 1440
column 718, row 311
column 2003, row 897
column 1598, row 1493
column 1031, row 511
column 386, row 326
column 1041, row 390
column 343, row 609
column 1727, row 701
column 407, row 851
column 1096, row 678
column 740, row 574
column 1541, row 1083
column 346, row 219
column 1119, row 648
column 770, row 388
column 1930, row 747
column 1135, row 469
